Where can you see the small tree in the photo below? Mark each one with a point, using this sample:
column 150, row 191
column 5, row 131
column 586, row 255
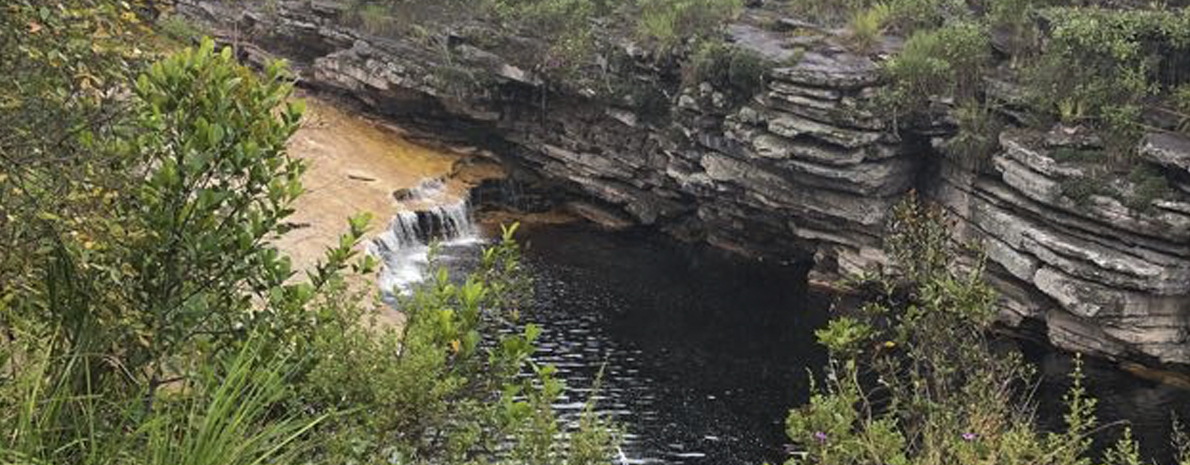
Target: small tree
column 913, row 378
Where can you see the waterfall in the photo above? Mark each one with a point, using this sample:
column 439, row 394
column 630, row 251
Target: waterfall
column 429, row 213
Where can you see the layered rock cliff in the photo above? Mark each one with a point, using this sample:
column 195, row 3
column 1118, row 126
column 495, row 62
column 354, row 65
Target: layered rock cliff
column 805, row 170
column 1106, row 278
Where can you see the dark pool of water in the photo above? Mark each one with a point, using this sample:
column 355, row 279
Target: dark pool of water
column 1146, row 406
column 705, row 353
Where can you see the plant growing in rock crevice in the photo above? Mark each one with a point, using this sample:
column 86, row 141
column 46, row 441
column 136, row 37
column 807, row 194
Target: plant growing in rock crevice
column 669, row 23
column 867, row 25
column 903, row 16
column 948, row 62
column 737, row 71
column 977, row 137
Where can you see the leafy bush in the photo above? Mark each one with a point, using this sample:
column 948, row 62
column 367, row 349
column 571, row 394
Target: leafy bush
column 179, row 29
column 737, row 71
column 1148, row 185
column 159, row 326
column 129, row 309
column 944, row 62
column 1145, row 184
column 1081, row 188
column 1099, row 65
column 432, row 391
column 913, row 378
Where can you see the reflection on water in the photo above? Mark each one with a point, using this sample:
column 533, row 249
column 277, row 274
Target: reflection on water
column 704, row 354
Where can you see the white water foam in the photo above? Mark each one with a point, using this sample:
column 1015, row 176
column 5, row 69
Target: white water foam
column 404, row 247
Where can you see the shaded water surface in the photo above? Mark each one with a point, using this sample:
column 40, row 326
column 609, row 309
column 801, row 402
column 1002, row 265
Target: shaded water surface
column 1148, row 407
column 704, row 353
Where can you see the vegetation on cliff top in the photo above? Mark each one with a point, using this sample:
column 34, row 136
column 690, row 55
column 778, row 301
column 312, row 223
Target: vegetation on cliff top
column 1119, row 71
column 577, row 45
column 1096, row 66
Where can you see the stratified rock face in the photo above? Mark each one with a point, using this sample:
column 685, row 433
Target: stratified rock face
column 1106, row 278
column 808, row 157
column 804, row 170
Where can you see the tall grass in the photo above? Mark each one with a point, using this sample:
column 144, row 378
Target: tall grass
column 227, row 415
column 867, row 25
column 47, row 417
column 230, row 418
column 668, row 23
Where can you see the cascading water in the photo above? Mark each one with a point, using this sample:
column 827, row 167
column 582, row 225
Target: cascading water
column 430, row 213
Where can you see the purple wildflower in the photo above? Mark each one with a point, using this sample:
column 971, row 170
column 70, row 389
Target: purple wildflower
column 820, row 436
column 969, row 436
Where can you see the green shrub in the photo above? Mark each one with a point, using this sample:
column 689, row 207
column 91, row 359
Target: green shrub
column 825, row 11
column 913, row 378
column 905, row 16
column 177, row 28
column 736, row 71
column 867, row 25
column 1081, row 188
column 909, row 16
column 1068, row 154
column 1181, row 98
column 166, row 276
column 567, row 26
column 550, row 17
column 670, row 23
column 747, row 72
column 1100, row 65
column 1016, row 19
column 978, row 135
column 159, row 325
column 1148, row 185
column 945, row 62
